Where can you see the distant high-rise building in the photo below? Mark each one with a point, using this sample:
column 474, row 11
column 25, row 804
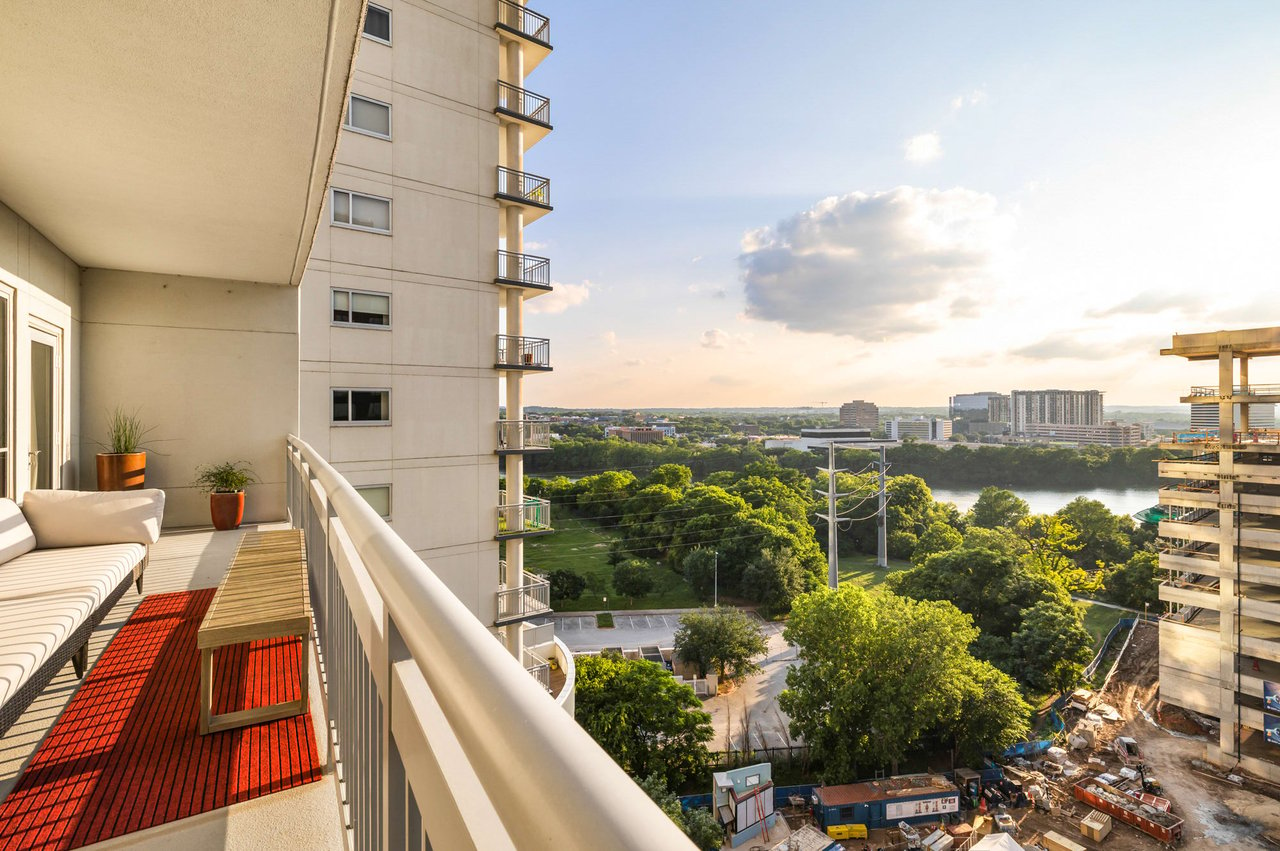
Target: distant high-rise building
column 861, row 414
column 975, row 407
column 1110, row 433
column 998, row 409
column 1055, row 407
column 1205, row 416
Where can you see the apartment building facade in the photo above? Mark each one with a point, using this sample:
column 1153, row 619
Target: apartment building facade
column 1220, row 554
column 918, row 428
column 1204, row 417
column 1059, row 407
column 1110, row 433
column 412, row 305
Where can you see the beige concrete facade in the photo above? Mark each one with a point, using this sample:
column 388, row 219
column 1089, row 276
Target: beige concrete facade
column 1220, row 547
column 1058, row 407
column 437, row 79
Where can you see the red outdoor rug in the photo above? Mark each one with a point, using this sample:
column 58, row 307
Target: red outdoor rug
column 125, row 754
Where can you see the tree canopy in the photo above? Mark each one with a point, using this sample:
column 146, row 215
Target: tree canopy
column 649, row 723
column 996, row 508
column 878, row 671
column 724, row 639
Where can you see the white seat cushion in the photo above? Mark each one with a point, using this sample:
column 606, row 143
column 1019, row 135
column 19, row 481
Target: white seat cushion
column 87, row 518
column 99, row 570
column 32, row 629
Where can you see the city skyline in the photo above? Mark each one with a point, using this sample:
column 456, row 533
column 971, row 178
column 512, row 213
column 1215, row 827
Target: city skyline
column 871, row 201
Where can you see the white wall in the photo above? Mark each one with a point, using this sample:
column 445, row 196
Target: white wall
column 210, row 364
column 43, row 285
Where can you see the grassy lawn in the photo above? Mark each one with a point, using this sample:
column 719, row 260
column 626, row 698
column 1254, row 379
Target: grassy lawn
column 1099, row 620
column 583, row 547
column 861, row 570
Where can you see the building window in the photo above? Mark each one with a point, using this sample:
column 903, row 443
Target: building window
column 353, row 307
column 366, row 115
column 377, row 23
column 363, row 212
column 361, row 406
column 378, row 497
column 846, row 812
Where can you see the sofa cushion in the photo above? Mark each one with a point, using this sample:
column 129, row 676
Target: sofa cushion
column 98, row 570
column 32, row 629
column 16, row 536
column 86, row 518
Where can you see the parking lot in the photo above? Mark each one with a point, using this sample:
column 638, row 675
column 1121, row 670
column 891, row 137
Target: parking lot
column 630, row 630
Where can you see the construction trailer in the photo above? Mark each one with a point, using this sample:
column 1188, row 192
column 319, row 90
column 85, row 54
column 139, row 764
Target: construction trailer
column 911, row 798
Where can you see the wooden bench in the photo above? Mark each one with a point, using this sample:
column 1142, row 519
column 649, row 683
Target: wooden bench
column 264, row 595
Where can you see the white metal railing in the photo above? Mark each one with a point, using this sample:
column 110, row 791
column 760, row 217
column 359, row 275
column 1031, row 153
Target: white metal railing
column 532, row 598
column 1238, row 390
column 523, row 435
column 523, row 518
column 442, row 737
column 538, row 668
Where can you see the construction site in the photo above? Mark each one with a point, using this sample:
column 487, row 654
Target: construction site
column 1126, row 772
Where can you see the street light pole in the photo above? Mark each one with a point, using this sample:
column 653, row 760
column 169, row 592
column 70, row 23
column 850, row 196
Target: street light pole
column 715, row 593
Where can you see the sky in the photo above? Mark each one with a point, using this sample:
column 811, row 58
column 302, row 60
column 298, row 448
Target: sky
column 802, row 203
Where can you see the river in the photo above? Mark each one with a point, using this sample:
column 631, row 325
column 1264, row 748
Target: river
column 1049, row 501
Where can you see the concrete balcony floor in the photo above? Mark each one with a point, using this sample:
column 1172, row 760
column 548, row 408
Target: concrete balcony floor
column 304, row 817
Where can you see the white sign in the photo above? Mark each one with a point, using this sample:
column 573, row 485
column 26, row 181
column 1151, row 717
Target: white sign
column 924, row 807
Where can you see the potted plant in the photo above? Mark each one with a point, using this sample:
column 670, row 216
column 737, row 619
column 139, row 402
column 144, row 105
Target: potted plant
column 225, row 484
column 124, row 466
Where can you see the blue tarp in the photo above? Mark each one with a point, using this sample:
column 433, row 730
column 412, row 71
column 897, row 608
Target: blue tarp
column 1026, row 749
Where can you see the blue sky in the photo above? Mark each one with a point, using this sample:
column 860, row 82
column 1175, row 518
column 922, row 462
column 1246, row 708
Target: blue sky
column 803, row 203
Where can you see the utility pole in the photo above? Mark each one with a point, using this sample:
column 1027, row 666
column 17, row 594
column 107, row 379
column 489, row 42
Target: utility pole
column 832, row 518
column 882, row 557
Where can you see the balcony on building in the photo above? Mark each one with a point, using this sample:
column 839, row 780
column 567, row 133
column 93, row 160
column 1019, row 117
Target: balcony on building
column 530, row 110
column 1240, row 393
column 520, row 23
column 530, row 192
column 516, row 437
column 523, row 519
column 526, row 271
column 531, row 354
column 532, row 599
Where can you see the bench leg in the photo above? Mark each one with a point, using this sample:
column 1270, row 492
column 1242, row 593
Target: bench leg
column 80, row 661
column 206, row 688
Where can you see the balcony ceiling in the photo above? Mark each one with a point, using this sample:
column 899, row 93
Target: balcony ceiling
column 1252, row 342
column 183, row 137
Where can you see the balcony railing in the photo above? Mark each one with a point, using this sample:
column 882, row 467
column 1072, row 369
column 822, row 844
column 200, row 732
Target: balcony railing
column 523, row 103
column 527, row 601
column 443, row 739
column 523, row 353
column 523, row 436
column 1238, row 390
column 526, row 270
column 524, row 188
column 524, row 22
column 538, row 668
column 531, row 517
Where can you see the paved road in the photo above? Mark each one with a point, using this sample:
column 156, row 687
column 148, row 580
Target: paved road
column 630, row 630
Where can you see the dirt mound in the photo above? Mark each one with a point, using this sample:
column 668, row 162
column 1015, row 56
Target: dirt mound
column 1179, row 720
column 1137, row 672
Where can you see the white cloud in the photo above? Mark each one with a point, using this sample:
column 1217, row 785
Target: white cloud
column 973, row 98
column 530, row 245
column 610, row 339
column 924, row 148
column 714, row 339
column 875, row 266
column 636, row 362
column 561, row 298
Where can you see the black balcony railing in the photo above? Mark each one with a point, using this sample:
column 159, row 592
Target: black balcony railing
column 524, row 187
column 524, row 269
column 525, row 22
column 523, row 352
column 523, row 103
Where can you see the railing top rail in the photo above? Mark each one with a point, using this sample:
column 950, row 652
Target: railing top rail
column 530, row 755
column 526, row 175
column 505, row 337
column 542, row 24
column 503, row 84
column 523, row 256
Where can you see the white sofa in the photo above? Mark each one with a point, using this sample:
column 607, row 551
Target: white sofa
column 66, row 557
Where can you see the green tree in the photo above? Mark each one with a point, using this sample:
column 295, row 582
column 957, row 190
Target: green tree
column 996, row 507
column 566, row 585
column 674, row 476
column 773, row 579
column 644, row 719
column 633, row 578
column 724, row 639
column 992, row 714
column 876, row 672
column 938, row 538
column 1051, row 646
column 1052, row 546
column 1136, row 584
column 1105, row 538
column 701, row 569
